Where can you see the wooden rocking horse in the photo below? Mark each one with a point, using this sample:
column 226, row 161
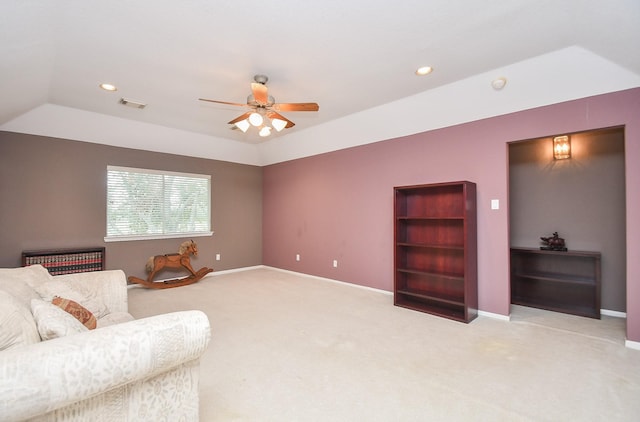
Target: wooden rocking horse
column 179, row 260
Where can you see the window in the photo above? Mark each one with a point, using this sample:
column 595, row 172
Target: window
column 147, row 204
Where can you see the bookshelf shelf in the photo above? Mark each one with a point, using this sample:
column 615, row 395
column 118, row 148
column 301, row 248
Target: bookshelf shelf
column 66, row 261
column 559, row 281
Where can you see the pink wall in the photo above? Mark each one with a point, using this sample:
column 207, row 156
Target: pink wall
column 339, row 205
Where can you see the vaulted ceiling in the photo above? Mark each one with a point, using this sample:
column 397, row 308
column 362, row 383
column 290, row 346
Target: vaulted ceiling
column 355, row 58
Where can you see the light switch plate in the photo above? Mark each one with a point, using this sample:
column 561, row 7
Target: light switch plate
column 495, row 204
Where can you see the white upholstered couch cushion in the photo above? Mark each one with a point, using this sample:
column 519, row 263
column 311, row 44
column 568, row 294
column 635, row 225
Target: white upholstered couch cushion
column 124, row 370
column 142, row 370
column 17, row 325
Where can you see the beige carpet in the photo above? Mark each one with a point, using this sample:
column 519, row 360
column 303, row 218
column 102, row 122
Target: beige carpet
column 287, row 347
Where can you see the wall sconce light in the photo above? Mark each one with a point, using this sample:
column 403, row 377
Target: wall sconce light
column 561, row 147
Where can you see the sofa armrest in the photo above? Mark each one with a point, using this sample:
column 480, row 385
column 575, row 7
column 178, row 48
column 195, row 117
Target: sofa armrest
column 110, row 286
column 40, row 378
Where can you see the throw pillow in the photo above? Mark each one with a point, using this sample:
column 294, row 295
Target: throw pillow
column 53, row 322
column 53, row 288
column 17, row 326
column 77, row 311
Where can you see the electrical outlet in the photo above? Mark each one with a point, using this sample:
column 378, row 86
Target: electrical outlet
column 335, row 263
column 297, row 257
column 217, row 257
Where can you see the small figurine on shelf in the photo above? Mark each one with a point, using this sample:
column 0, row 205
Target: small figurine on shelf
column 553, row 243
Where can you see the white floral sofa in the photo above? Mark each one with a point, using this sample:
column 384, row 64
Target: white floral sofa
column 123, row 370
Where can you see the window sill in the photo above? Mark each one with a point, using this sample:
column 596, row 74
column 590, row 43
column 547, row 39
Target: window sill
column 156, row 237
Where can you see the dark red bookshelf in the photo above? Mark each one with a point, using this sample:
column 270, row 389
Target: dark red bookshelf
column 436, row 249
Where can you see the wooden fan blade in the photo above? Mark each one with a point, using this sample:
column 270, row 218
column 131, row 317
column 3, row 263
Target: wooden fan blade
column 260, row 93
column 242, row 117
column 224, row 102
column 273, row 115
column 296, row 107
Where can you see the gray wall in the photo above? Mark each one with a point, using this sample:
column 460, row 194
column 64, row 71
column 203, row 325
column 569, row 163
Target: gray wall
column 582, row 198
column 53, row 195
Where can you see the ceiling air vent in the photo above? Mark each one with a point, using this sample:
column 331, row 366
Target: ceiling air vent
column 131, row 103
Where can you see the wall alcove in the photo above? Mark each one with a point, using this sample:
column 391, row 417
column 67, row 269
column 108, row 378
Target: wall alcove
column 582, row 198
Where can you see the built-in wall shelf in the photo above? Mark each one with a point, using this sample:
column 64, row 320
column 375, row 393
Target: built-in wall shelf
column 561, row 281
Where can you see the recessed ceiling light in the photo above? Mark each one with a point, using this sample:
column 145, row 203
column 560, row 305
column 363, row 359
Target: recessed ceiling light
column 108, row 87
column 424, row 70
column 499, row 83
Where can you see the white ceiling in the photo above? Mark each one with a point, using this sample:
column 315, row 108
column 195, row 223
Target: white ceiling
column 355, row 58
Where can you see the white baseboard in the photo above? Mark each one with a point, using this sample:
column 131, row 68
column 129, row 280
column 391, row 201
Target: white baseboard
column 615, row 314
column 330, row 280
column 494, row 316
column 235, row 270
column 632, row 344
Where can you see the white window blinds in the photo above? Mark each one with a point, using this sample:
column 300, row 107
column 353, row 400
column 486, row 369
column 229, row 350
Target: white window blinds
column 149, row 203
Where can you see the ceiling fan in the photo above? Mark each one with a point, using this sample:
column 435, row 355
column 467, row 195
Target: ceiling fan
column 263, row 112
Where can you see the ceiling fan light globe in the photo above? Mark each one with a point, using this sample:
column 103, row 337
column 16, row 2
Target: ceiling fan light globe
column 278, row 124
column 243, row 125
column 255, row 119
column 265, row 131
